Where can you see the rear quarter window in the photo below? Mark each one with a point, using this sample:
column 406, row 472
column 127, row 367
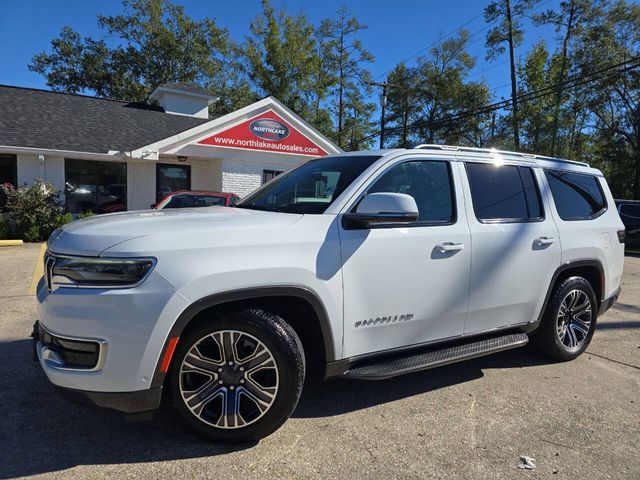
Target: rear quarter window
column 577, row 196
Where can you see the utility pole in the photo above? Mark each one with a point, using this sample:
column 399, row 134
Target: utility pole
column 383, row 104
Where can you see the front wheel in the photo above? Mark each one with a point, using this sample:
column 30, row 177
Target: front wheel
column 569, row 320
column 238, row 377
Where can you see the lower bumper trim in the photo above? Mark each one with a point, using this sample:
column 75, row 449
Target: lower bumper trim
column 609, row 302
column 126, row 402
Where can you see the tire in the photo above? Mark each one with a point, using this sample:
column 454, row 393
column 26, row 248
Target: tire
column 561, row 334
column 263, row 381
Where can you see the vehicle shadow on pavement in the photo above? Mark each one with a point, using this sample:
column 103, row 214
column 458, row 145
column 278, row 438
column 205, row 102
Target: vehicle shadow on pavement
column 44, row 433
column 340, row 396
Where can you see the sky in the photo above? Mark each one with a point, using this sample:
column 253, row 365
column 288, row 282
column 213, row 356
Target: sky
column 397, row 30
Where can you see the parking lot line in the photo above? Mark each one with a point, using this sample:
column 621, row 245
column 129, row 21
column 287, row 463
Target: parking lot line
column 39, row 270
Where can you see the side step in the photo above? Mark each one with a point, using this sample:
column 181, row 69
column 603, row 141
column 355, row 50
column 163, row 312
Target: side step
column 380, row 369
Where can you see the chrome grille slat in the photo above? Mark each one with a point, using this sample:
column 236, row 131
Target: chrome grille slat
column 49, row 263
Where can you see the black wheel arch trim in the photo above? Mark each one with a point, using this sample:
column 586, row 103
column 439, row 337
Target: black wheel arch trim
column 559, row 271
column 248, row 294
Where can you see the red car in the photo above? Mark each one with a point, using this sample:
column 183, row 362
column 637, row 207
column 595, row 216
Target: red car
column 196, row 198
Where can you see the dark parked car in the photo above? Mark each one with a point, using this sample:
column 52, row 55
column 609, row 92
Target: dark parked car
column 192, row 198
column 629, row 211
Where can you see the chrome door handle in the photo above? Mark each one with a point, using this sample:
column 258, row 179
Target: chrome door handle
column 545, row 240
column 449, row 247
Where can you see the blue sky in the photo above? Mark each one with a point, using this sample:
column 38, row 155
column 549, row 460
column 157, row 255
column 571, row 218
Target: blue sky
column 397, row 30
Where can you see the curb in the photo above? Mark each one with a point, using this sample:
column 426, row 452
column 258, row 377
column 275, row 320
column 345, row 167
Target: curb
column 10, row 243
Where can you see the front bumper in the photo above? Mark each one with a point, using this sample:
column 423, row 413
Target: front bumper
column 127, row 402
column 130, row 403
column 130, row 326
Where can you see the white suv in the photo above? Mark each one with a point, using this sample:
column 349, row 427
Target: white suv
column 364, row 265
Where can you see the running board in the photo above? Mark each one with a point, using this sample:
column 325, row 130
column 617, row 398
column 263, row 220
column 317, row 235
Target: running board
column 380, row 369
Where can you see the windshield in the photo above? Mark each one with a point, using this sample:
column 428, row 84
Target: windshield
column 189, row 200
column 309, row 188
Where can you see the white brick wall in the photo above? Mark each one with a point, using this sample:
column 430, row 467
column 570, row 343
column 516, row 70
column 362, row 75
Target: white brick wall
column 54, row 171
column 141, row 177
column 141, row 185
column 28, row 169
column 244, row 176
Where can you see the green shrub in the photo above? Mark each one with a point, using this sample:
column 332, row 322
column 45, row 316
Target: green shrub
column 64, row 218
column 85, row 214
column 5, row 227
column 34, row 209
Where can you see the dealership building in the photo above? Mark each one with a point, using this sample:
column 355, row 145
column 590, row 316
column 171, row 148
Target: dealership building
column 108, row 155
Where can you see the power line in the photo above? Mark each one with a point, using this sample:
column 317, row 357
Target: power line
column 482, row 38
column 433, row 44
column 524, row 97
column 534, row 95
column 442, row 39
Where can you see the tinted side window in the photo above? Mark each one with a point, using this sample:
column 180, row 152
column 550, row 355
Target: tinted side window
column 428, row 182
column 503, row 192
column 577, row 196
column 630, row 210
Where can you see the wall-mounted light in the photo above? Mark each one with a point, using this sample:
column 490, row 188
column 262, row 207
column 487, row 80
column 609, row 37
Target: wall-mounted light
column 182, row 158
column 41, row 158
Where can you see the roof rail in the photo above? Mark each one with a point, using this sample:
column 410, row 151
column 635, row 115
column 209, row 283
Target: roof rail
column 428, row 146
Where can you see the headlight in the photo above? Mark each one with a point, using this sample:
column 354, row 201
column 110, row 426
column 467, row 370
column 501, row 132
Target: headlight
column 96, row 272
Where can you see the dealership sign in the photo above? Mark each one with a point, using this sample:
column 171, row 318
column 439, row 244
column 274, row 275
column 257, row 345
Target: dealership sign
column 267, row 132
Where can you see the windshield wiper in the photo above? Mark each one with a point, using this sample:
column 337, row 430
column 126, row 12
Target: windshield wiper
column 258, row 207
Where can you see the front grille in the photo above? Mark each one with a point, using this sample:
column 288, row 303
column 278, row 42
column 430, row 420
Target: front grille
column 74, row 353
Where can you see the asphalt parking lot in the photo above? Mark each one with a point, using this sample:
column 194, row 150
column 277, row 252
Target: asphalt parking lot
column 472, row 420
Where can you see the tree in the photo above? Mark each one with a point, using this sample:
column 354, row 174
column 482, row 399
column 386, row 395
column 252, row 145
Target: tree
column 343, row 57
column 155, row 42
column 402, row 104
column 282, row 59
column 429, row 103
column 508, row 31
column 444, row 92
column 569, row 21
column 613, row 99
column 536, row 125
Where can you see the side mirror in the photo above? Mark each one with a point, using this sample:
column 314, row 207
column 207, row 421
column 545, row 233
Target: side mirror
column 382, row 209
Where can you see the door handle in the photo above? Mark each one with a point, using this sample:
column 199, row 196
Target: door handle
column 545, row 240
column 449, row 247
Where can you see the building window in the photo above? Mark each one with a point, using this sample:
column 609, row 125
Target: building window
column 267, row 175
column 8, row 170
column 99, row 187
column 171, row 178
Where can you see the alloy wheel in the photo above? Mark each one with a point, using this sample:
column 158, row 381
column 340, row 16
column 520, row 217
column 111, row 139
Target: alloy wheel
column 229, row 379
column 574, row 319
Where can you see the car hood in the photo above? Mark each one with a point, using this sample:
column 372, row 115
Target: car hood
column 93, row 235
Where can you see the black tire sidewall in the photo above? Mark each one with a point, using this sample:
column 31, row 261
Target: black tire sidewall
column 287, row 352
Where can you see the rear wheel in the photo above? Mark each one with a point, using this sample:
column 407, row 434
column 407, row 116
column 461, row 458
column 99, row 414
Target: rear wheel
column 569, row 321
column 237, row 377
